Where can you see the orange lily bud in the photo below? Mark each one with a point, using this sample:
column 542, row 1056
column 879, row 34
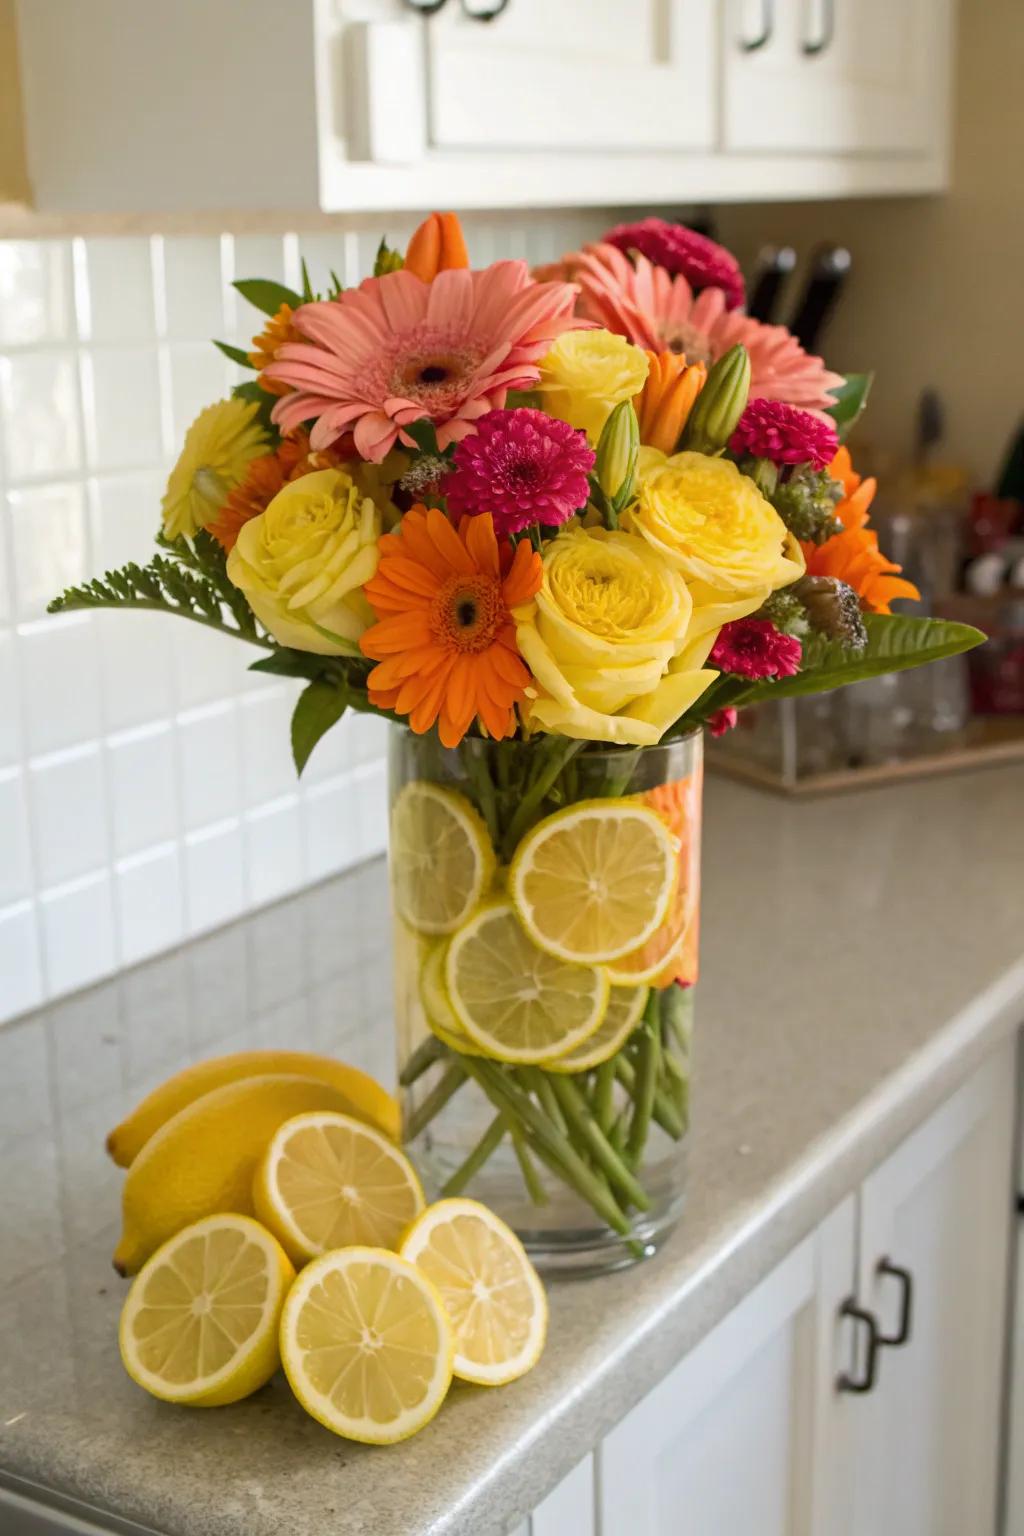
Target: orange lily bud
column 666, row 400
column 436, row 245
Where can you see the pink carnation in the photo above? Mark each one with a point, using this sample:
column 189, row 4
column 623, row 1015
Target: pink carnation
column 755, row 648
column 722, row 720
column 523, row 467
column 703, row 262
column 770, row 429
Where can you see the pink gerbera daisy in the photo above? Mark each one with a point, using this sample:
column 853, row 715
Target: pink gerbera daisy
column 660, row 312
column 523, row 467
column 703, row 262
column 770, row 429
column 397, row 349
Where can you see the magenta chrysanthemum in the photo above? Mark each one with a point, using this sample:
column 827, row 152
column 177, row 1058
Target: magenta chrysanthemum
column 770, row 429
column 703, row 262
column 755, row 648
column 722, row 720
column 523, row 467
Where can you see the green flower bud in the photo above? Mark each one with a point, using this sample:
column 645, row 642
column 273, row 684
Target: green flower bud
column 720, row 403
column 617, row 451
column 806, row 502
column 786, row 612
column 387, row 260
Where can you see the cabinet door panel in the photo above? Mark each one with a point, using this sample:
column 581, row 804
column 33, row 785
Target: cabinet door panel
column 745, row 1434
column 877, row 81
column 569, row 1509
column 940, row 1206
column 578, row 74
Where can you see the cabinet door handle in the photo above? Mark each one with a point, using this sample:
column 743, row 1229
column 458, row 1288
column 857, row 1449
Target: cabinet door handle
column 906, row 1280
column 431, row 8
column 751, row 45
column 846, row 1382
column 828, row 31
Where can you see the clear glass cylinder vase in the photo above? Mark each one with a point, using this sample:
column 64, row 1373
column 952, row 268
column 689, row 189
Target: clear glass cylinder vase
column 519, row 871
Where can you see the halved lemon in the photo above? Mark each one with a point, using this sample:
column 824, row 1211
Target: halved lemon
column 594, row 881
column 328, row 1181
column 367, row 1345
column 441, row 857
column 514, row 1000
column 623, row 1014
column 437, row 1005
column 491, row 1291
column 200, row 1322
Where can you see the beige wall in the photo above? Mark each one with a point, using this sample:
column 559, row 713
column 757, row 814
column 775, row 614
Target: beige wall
column 936, row 295
column 13, row 185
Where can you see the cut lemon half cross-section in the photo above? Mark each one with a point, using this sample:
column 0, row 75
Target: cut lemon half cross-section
column 200, row 1322
column 367, row 1345
column 328, row 1181
column 491, row 1291
column 625, row 1007
column 514, row 1000
column 594, row 881
column 441, row 857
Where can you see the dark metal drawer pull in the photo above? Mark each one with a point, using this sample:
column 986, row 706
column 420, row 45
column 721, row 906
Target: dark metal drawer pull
column 906, row 1279
column 767, row 28
column 828, row 32
column 846, row 1382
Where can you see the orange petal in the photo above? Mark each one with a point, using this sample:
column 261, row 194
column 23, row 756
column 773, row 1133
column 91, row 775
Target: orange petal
column 436, row 245
column 477, row 533
column 448, row 544
column 524, row 579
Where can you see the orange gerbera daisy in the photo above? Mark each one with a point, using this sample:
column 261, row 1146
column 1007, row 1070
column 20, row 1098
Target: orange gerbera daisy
column 267, row 344
column 446, row 643
column 853, row 555
column 263, row 479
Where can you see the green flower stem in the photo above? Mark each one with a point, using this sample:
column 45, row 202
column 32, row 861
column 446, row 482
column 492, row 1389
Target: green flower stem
column 422, row 1059
column 552, row 755
column 663, row 1111
column 539, row 1084
column 488, row 1144
column 483, row 788
column 555, row 1148
column 646, row 1083
column 617, row 1134
column 586, row 1131
column 604, row 1095
column 534, row 1188
column 453, row 1078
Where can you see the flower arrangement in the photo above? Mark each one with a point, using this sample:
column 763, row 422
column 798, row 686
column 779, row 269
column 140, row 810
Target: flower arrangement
column 550, row 522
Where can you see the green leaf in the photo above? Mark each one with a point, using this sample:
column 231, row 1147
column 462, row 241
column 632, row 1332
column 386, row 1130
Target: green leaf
column 895, row 641
column 851, row 398
column 285, row 662
column 424, row 435
column 319, row 706
column 235, row 353
column 266, row 295
column 387, row 260
column 307, row 287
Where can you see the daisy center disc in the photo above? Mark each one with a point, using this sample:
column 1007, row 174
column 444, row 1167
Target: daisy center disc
column 467, row 613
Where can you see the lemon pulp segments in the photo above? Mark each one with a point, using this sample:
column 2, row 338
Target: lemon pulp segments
column 441, row 857
column 625, row 1006
column 594, row 881
column 327, row 1181
column 367, row 1345
column 490, row 1290
column 437, row 1006
column 200, row 1322
column 517, row 1002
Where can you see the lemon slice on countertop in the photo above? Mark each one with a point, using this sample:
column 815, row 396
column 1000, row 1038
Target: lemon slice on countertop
column 594, row 881
column 514, row 1000
column 441, row 857
column 490, row 1290
column 327, row 1181
column 200, row 1323
column 367, row 1345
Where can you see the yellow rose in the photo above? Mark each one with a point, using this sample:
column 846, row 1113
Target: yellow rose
column 607, row 640
column 303, row 562
column 586, row 374
column 711, row 523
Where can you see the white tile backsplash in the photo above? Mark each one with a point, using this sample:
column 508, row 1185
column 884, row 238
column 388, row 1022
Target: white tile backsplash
column 146, row 788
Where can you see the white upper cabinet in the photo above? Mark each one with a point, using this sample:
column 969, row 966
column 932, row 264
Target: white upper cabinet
column 361, row 105
column 582, row 75
column 836, row 76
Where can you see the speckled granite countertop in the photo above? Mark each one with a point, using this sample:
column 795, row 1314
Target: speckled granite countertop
column 860, row 956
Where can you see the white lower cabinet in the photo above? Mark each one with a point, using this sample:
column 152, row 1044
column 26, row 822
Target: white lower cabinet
column 760, row 1429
